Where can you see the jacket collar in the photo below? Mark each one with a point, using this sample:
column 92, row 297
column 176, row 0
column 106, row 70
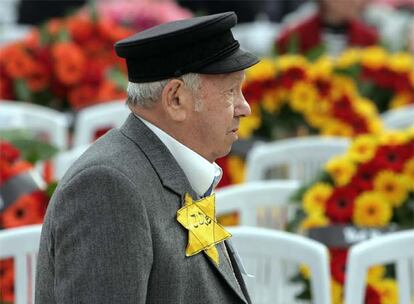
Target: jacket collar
column 167, row 168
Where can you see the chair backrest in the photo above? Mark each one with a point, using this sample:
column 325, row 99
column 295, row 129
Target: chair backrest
column 22, row 244
column 94, row 118
column 297, row 158
column 36, row 119
column 399, row 118
column 63, row 160
column 252, row 201
column 264, row 252
column 396, row 247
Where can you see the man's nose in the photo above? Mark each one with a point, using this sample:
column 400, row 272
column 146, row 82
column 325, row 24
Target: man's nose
column 242, row 108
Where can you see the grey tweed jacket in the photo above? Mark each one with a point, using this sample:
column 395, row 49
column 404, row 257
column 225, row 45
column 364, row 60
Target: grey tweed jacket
column 111, row 235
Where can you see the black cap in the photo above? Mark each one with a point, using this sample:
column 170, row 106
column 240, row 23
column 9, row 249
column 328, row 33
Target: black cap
column 199, row 45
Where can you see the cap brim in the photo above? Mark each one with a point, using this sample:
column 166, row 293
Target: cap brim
column 237, row 61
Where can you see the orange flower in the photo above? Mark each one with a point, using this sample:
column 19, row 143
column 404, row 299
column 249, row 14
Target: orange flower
column 29, row 209
column 6, row 280
column 54, row 26
column 38, row 77
column 82, row 96
column 32, row 40
column 69, row 62
column 19, row 167
column 17, row 62
column 110, row 91
column 81, row 29
column 112, row 32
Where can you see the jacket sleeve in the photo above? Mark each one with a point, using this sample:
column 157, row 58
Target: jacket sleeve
column 97, row 234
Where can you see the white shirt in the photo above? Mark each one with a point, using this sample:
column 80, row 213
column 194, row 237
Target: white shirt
column 198, row 170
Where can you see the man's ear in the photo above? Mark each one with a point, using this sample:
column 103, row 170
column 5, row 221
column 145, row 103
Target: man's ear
column 175, row 100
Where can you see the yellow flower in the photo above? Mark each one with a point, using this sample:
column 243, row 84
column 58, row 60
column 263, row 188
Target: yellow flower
column 408, row 172
column 317, row 114
column 401, row 62
column 375, row 274
column 314, row 199
column 374, row 57
column 365, row 107
column 388, row 291
column 336, row 289
column 333, row 127
column 303, row 96
column 393, row 137
column 410, row 132
column 321, row 68
column 341, row 169
column 401, row 99
column 343, row 85
column 236, row 168
column 393, row 187
column 286, row 62
column 273, row 100
column 371, row 210
column 348, row 58
column 375, row 125
column 265, row 69
column 314, row 220
column 250, row 123
column 363, row 148
column 305, row 271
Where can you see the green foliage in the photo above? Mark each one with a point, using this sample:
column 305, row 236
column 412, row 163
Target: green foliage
column 404, row 214
column 31, row 149
column 118, row 77
column 21, row 89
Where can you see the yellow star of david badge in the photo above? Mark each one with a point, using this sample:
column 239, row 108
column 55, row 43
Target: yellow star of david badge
column 203, row 230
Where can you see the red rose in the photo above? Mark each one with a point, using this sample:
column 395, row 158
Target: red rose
column 291, row 76
column 340, row 205
column 390, row 157
column 372, row 296
column 8, row 152
column 362, row 179
column 338, row 264
column 253, row 91
column 342, row 108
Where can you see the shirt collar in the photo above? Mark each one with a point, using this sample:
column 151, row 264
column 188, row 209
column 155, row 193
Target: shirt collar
column 199, row 171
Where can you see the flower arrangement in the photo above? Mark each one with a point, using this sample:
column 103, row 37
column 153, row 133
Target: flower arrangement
column 370, row 187
column 291, row 95
column 25, row 205
column 385, row 78
column 142, row 14
column 67, row 63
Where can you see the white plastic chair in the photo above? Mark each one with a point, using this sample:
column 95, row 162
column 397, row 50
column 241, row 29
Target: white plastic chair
column 22, row 244
column 89, row 120
column 301, row 158
column 399, row 118
column 264, row 252
column 35, row 118
column 253, row 201
column 257, row 36
column 63, row 160
column 397, row 247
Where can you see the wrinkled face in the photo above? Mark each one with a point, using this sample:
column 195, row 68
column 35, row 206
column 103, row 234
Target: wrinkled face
column 215, row 123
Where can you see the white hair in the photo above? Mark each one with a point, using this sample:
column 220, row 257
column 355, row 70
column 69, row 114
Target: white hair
column 147, row 93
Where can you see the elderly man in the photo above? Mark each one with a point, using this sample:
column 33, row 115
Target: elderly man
column 132, row 221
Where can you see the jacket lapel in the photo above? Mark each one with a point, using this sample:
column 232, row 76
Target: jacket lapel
column 173, row 178
column 167, row 168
